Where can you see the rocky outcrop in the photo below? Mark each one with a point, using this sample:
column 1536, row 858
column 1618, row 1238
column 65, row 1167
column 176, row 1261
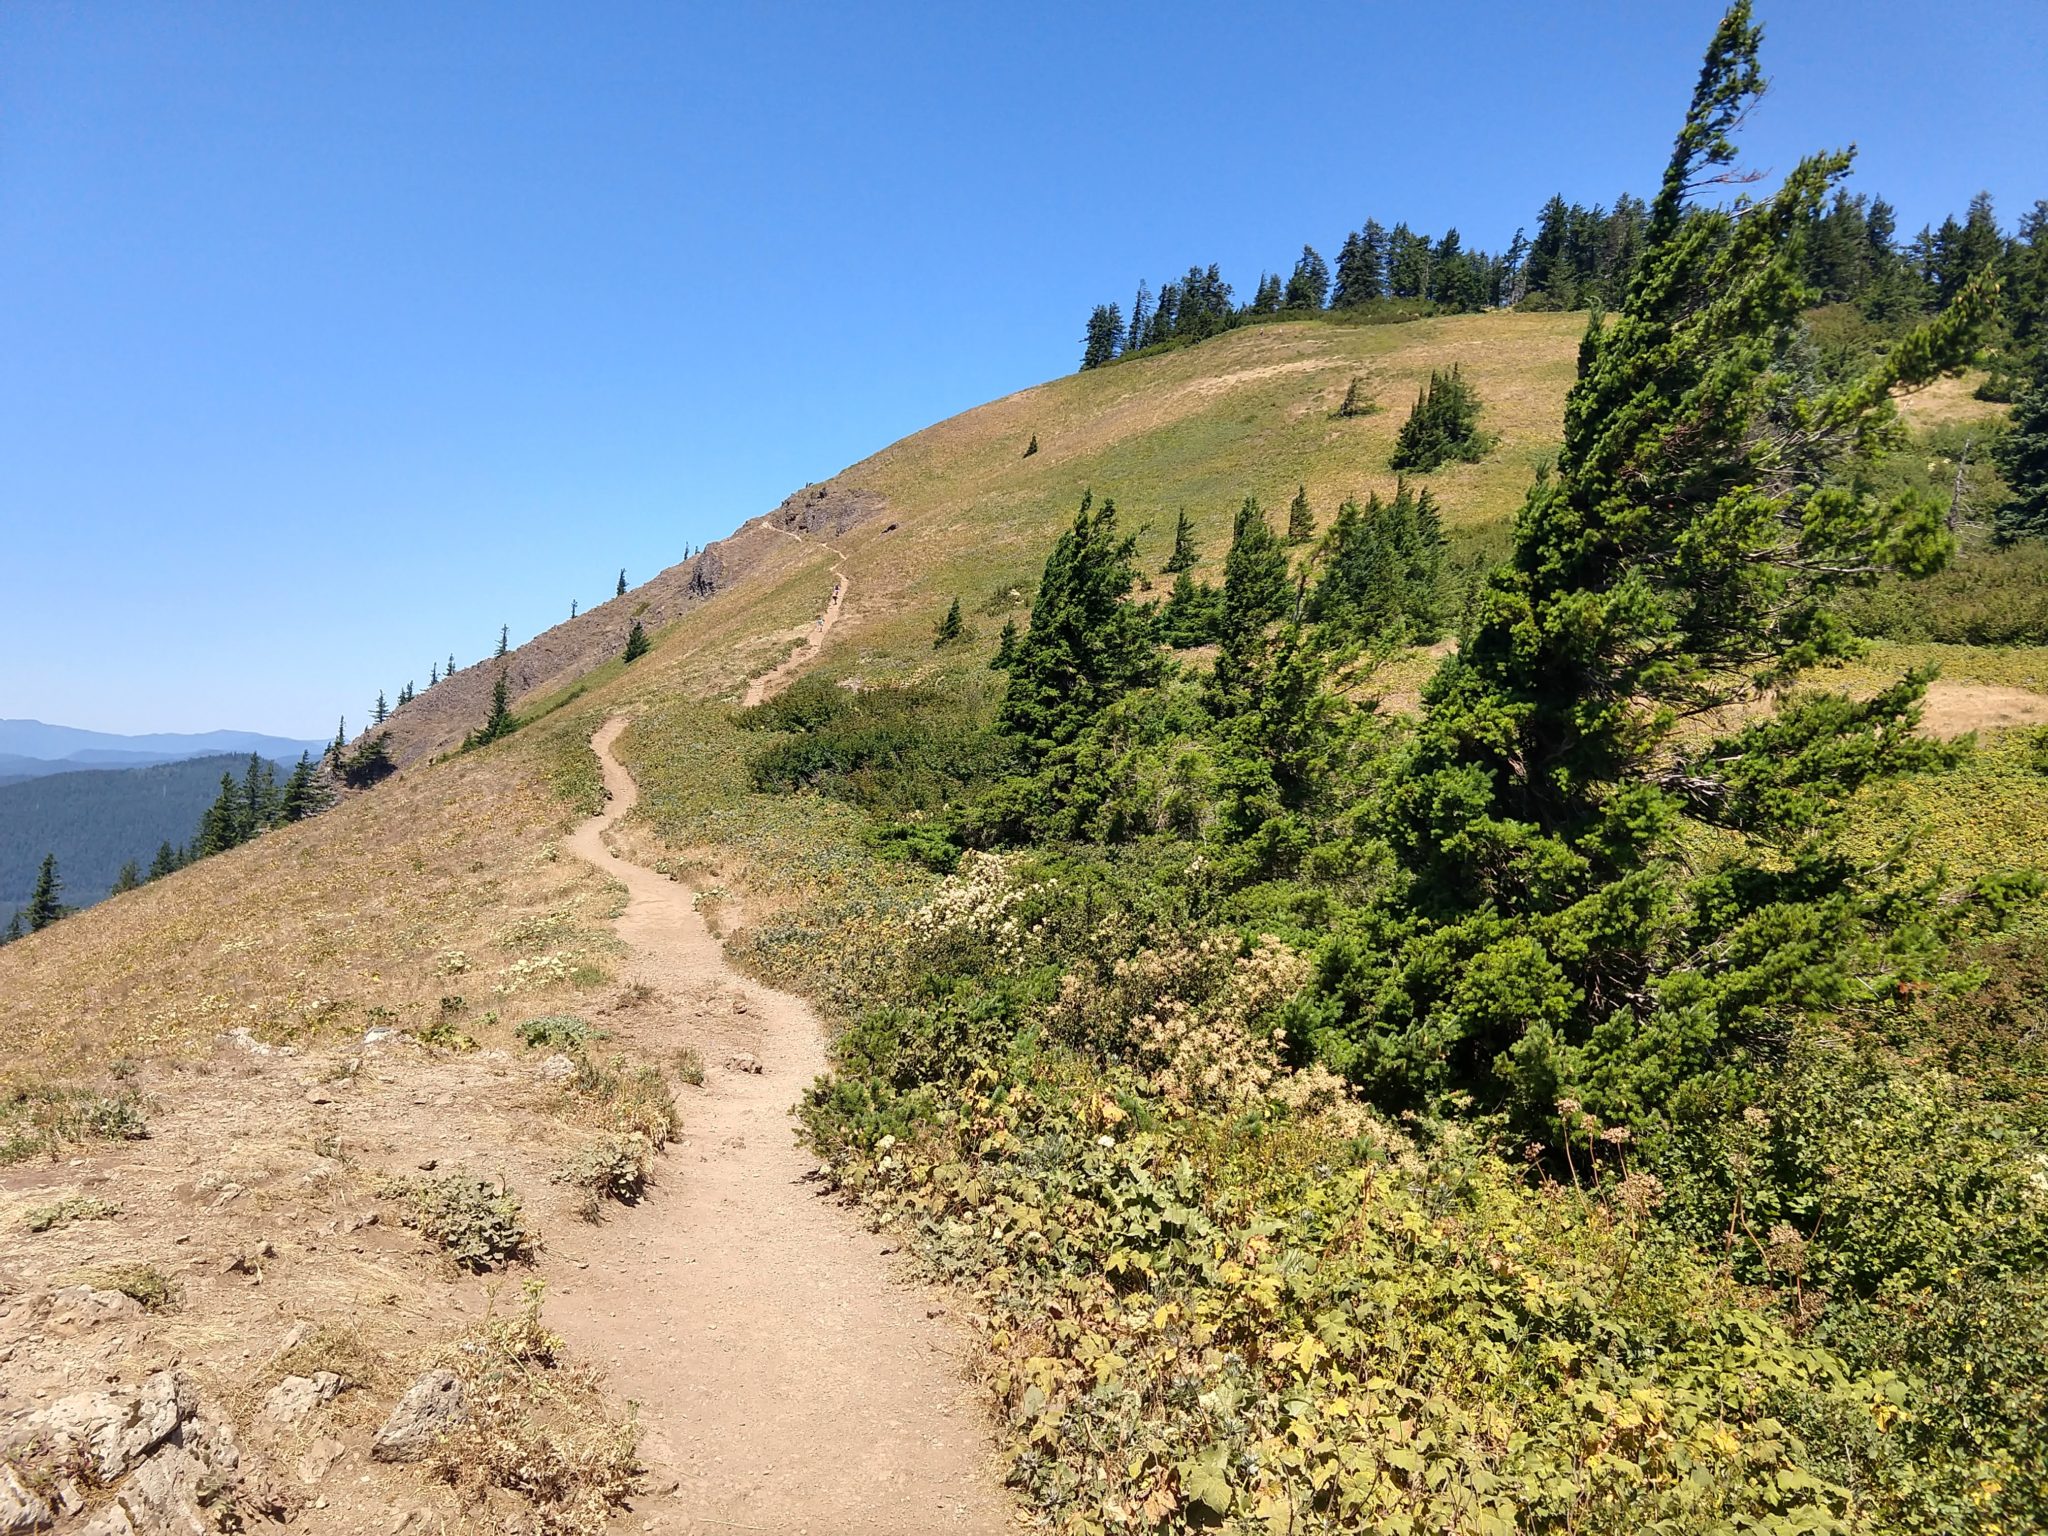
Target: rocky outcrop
column 168, row 1467
column 826, row 511
column 431, row 1407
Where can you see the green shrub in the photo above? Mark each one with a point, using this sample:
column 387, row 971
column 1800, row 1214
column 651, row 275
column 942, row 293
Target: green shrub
column 45, row 1218
column 559, row 1032
column 143, row 1283
column 1442, row 427
column 476, row 1222
column 614, row 1167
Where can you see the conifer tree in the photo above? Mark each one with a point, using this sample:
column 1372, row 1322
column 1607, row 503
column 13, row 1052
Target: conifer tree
column 165, row 862
column 1443, row 426
column 340, row 737
column 1266, row 297
column 380, row 711
column 433, row 673
column 636, row 643
column 950, row 628
column 1088, row 644
column 622, row 580
column 43, row 907
column 504, row 641
column 303, row 795
column 449, row 670
column 1141, row 318
column 221, row 825
column 1301, row 522
column 1682, row 556
column 259, row 797
column 1105, row 335
column 1357, row 401
column 1256, row 591
column 12, row 931
column 2022, row 457
column 1184, row 555
column 1006, row 647
column 130, row 878
column 572, row 607
column 1031, row 447
column 1192, row 614
column 1309, row 284
column 499, row 722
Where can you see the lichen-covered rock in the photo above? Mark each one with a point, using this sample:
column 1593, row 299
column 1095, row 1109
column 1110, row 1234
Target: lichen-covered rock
column 431, row 1406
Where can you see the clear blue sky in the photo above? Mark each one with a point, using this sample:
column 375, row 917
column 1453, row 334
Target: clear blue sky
column 334, row 334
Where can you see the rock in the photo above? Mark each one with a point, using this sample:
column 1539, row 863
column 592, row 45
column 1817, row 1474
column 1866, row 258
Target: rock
column 20, row 1510
column 76, row 1308
column 319, row 1459
column 296, row 1396
column 111, row 1521
column 743, row 1062
column 431, row 1406
column 556, row 1068
column 163, row 1495
column 112, row 1431
column 379, row 1035
column 318, row 1094
column 294, row 1336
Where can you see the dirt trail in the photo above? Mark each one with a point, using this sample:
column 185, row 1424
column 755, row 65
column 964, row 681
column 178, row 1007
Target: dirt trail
column 787, row 1383
column 770, row 683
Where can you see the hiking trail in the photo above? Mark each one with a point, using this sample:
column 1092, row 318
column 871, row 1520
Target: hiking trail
column 786, row 1382
column 772, row 682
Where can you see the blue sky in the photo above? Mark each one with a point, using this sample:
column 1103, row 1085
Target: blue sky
column 335, row 334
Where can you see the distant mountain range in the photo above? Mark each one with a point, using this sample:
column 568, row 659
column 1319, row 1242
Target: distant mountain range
column 31, row 749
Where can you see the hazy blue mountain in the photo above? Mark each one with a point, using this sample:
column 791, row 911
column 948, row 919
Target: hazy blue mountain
column 95, row 820
column 80, row 748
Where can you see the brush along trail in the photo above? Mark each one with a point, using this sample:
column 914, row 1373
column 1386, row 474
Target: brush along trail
column 786, row 1381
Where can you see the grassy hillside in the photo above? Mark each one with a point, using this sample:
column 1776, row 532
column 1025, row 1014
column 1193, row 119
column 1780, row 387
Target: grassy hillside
column 1177, row 1300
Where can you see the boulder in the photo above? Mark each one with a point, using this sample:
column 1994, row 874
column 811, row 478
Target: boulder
column 112, row 1431
column 296, row 1396
column 165, row 1494
column 430, row 1408
column 20, row 1509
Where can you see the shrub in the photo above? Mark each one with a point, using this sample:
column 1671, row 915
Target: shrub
column 559, row 1032
column 614, row 1167
column 476, row 1222
column 143, row 1283
column 628, row 1099
column 690, row 1066
column 45, row 1218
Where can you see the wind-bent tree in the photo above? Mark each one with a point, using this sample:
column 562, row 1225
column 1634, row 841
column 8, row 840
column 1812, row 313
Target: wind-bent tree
column 1553, row 932
column 1184, row 553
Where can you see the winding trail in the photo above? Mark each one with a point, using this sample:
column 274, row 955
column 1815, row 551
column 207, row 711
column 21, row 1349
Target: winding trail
column 786, row 1381
column 772, row 682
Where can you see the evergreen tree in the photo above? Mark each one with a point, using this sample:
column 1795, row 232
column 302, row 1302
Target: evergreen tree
column 303, row 794
column 340, row 737
column 1006, row 647
column 636, row 643
column 221, row 825
column 1031, row 447
column 2022, row 458
column 166, row 861
column 1309, row 284
column 499, row 722
column 1141, row 318
column 504, row 641
column 1443, row 426
column 1301, row 522
column 12, row 931
column 1192, row 614
column 1359, row 595
column 1358, row 275
column 1357, row 401
column 1184, row 553
column 1552, row 936
column 259, row 797
column 380, row 711
column 369, row 763
column 433, row 673
column 1266, row 300
column 950, row 628
column 43, row 906
column 1256, row 591
column 130, row 878
column 622, row 581
column 572, row 607
column 1105, row 335
column 449, row 670
column 1088, row 643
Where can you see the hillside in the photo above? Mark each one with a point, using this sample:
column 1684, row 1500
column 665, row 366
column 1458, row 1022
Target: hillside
column 311, row 1019
column 96, row 820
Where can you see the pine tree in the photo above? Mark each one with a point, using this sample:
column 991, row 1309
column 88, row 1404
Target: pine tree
column 1256, row 591
column 12, row 931
column 449, row 670
column 166, row 861
column 130, row 878
column 2022, row 457
column 303, row 794
column 369, row 763
column 572, row 607
column 504, row 641
column 1266, row 297
column 1358, row 401
column 221, row 825
column 1556, row 938
column 622, row 580
column 1358, row 272
column 1192, row 614
column 1141, row 318
column 1031, row 447
column 636, row 643
column 950, row 628
column 1309, row 284
column 380, row 711
column 1006, row 647
column 43, row 906
column 433, row 673
column 259, row 797
column 1088, row 644
column 1184, row 554
column 499, row 722
column 1443, row 426
column 1301, row 522
column 340, row 737
column 1105, row 335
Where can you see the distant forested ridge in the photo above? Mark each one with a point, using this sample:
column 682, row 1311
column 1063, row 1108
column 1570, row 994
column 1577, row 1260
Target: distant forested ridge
column 1850, row 252
column 99, row 819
